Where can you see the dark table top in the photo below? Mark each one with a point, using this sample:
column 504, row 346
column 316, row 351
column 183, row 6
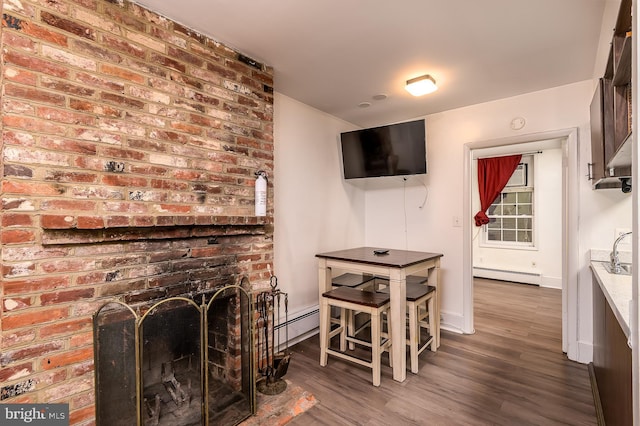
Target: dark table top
column 394, row 258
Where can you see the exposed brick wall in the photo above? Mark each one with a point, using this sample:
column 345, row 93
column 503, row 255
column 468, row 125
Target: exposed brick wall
column 129, row 146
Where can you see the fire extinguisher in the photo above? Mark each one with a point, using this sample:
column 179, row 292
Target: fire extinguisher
column 261, row 193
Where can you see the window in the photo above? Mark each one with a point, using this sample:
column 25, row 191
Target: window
column 511, row 215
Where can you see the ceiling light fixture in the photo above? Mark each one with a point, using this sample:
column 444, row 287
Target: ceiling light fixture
column 421, row 85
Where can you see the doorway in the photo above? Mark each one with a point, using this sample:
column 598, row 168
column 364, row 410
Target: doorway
column 567, row 139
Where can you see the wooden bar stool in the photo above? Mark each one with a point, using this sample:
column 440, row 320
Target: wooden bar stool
column 421, row 314
column 360, row 281
column 372, row 303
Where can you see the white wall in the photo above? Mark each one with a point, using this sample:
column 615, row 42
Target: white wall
column 431, row 228
column 545, row 258
column 315, row 211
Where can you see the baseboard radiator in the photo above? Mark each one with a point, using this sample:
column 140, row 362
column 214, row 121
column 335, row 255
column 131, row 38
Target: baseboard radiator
column 508, row 275
column 298, row 327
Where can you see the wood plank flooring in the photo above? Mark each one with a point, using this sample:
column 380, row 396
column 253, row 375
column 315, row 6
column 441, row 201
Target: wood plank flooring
column 510, row 372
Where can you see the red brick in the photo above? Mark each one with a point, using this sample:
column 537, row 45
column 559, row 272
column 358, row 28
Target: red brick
column 17, row 236
column 67, row 327
column 73, row 205
column 95, row 108
column 34, row 125
column 70, row 265
column 82, row 339
column 175, row 208
column 36, row 64
column 67, row 25
column 149, row 170
column 67, row 358
column 124, row 181
column 21, row 76
column 62, row 176
column 9, row 356
column 66, row 87
column 169, row 185
column 66, row 296
column 33, row 94
column 82, row 415
column 188, row 128
column 16, row 219
column 19, row 270
column 143, row 221
column 78, row 370
column 123, row 46
column 65, row 116
column 49, row 221
column 18, row 338
column 122, row 153
column 32, row 317
column 85, row 399
column 122, row 100
column 123, row 74
column 15, row 40
column 34, row 285
column 85, row 48
column 117, row 221
column 16, row 303
column 168, row 62
column 15, row 372
column 100, row 82
column 90, row 222
column 44, row 34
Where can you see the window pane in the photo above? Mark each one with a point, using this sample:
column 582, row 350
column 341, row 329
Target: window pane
column 510, row 198
column 524, row 236
column 524, row 197
column 525, row 209
column 509, row 235
column 509, row 209
column 509, row 223
column 524, row 223
column 494, row 223
column 511, row 218
column 494, row 235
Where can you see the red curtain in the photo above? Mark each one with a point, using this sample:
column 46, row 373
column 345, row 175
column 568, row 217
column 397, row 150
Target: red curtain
column 493, row 175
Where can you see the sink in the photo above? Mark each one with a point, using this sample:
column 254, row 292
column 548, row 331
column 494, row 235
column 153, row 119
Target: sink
column 625, row 268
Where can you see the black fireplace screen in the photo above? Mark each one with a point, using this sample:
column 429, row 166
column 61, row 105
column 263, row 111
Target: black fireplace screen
column 184, row 361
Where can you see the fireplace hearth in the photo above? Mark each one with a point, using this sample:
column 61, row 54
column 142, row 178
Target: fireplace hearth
column 186, row 360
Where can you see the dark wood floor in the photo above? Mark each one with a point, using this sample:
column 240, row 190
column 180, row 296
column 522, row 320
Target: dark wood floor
column 510, row 372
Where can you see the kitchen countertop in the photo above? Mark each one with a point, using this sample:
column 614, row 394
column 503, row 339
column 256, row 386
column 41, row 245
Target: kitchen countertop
column 617, row 290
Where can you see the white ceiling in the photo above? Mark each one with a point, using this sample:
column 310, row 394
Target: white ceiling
column 335, row 54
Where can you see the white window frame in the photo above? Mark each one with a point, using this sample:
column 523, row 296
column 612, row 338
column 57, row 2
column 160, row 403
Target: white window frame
column 517, row 183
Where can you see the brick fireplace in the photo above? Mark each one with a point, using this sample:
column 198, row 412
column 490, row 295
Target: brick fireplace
column 129, row 147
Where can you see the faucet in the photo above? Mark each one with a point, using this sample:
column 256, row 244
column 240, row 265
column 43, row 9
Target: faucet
column 615, row 260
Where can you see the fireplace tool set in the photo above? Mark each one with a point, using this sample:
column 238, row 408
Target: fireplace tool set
column 272, row 361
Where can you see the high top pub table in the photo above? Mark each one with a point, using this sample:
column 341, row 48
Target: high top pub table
column 395, row 265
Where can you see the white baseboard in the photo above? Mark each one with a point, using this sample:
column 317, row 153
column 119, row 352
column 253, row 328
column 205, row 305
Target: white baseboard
column 551, row 282
column 452, row 322
column 584, row 353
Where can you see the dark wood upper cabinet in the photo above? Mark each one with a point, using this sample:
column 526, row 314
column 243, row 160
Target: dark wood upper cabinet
column 611, row 110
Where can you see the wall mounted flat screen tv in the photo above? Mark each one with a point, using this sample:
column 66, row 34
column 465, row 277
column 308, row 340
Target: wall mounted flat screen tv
column 393, row 150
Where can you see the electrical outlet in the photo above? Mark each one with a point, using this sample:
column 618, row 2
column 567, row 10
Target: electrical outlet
column 457, row 222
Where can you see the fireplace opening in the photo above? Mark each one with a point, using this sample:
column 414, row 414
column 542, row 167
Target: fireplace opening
column 185, row 360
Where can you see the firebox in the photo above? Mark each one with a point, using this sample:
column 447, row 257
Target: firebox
column 184, row 360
